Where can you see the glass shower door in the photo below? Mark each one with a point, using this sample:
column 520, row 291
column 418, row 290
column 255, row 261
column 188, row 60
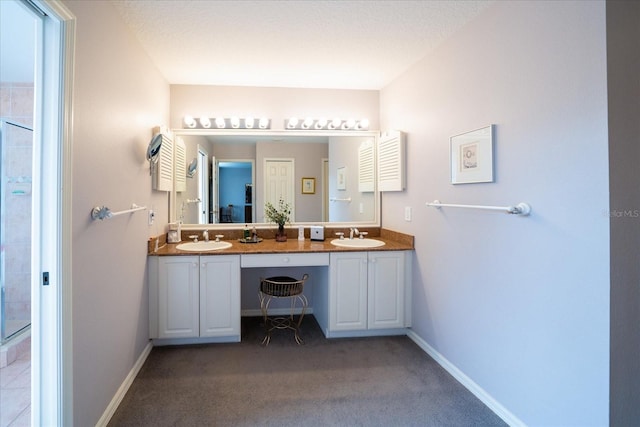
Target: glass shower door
column 15, row 228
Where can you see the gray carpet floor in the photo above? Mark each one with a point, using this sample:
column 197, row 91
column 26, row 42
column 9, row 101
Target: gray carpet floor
column 381, row 381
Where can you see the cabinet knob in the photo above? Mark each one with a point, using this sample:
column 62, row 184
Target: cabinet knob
column 285, row 259
column 194, row 265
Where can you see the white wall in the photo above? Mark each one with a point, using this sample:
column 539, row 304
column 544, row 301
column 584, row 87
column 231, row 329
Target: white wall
column 343, row 153
column 519, row 305
column 119, row 96
column 306, row 158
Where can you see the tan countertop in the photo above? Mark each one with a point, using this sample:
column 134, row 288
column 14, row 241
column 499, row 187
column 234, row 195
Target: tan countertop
column 394, row 241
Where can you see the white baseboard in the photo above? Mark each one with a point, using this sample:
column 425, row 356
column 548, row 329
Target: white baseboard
column 124, row 387
column 469, row 384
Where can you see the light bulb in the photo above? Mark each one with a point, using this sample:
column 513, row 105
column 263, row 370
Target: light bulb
column 308, row 122
column 335, row 124
column 189, row 121
column 264, row 123
column 350, row 123
column 220, row 122
column 292, row 123
column 363, row 124
column 248, row 122
column 235, row 122
column 205, row 122
column 322, row 122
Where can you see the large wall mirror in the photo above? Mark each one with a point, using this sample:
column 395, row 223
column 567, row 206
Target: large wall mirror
column 324, row 176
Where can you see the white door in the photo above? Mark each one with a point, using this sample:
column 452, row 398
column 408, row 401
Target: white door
column 279, row 182
column 219, row 295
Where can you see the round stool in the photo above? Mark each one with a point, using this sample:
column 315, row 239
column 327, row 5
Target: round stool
column 282, row 287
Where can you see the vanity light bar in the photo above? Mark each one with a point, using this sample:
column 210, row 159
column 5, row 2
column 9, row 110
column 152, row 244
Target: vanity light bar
column 226, row 123
column 309, row 123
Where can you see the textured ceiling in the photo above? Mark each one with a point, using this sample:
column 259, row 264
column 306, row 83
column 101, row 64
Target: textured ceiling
column 316, row 44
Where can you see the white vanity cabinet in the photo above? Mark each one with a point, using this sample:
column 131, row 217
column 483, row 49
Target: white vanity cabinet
column 219, row 295
column 176, row 294
column 194, row 296
column 367, row 291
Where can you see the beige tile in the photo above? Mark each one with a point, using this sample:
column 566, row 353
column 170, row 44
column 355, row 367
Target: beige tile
column 7, row 356
column 17, row 286
column 15, row 369
column 24, row 351
column 18, row 311
column 15, row 262
column 13, row 403
column 22, row 101
column 18, row 161
column 22, row 380
column 17, row 136
column 24, row 419
column 5, row 102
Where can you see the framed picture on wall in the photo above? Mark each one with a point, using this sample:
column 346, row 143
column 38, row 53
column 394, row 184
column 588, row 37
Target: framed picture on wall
column 472, row 156
column 341, row 178
column 308, row 186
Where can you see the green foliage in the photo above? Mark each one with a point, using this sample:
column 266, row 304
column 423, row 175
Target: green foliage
column 280, row 215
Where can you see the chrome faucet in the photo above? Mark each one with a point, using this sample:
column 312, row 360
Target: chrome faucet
column 353, row 231
column 205, row 235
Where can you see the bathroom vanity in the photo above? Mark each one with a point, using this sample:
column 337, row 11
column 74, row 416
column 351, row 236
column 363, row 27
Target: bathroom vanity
column 355, row 289
column 196, row 297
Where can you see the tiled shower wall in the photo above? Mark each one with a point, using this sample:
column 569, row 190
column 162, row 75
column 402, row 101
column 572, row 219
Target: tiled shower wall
column 16, row 105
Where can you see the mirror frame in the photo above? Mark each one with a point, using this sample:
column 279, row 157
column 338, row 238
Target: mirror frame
column 276, row 134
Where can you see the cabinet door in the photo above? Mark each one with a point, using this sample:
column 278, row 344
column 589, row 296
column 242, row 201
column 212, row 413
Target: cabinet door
column 348, row 291
column 219, row 295
column 386, row 290
column 178, row 297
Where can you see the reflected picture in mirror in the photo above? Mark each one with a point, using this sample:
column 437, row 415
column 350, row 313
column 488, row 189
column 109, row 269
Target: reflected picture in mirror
column 237, row 174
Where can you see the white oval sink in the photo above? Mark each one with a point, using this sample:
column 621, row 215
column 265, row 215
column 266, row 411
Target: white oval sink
column 357, row 243
column 203, row 246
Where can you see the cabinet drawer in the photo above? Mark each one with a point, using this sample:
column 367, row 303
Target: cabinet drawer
column 284, row 260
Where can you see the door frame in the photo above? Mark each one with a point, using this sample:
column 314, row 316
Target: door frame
column 52, row 376
column 203, row 185
column 216, row 184
column 325, row 188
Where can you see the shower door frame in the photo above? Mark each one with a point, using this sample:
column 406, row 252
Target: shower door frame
column 4, row 336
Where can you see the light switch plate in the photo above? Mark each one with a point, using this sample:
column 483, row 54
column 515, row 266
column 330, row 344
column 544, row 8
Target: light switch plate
column 407, row 213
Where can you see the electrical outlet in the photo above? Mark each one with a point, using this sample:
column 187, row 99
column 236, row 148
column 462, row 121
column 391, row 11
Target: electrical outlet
column 152, row 216
column 407, row 213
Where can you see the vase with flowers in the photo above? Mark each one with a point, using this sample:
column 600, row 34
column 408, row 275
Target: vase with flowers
column 279, row 215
